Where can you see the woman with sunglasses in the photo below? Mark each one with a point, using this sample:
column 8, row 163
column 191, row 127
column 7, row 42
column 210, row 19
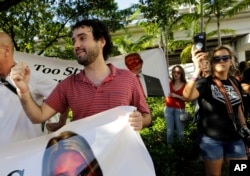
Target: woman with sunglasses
column 174, row 104
column 218, row 138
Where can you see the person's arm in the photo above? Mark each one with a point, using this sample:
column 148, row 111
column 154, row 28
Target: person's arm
column 243, row 125
column 245, row 81
column 36, row 113
column 146, row 120
column 20, row 75
column 176, row 96
column 245, row 88
column 241, row 117
column 190, row 92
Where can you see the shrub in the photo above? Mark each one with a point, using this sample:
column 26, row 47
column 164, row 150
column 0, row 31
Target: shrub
column 179, row 158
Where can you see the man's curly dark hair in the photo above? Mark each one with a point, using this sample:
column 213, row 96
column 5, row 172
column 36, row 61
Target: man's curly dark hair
column 99, row 30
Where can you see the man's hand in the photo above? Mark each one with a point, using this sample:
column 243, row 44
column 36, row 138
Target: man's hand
column 51, row 127
column 135, row 119
column 20, row 75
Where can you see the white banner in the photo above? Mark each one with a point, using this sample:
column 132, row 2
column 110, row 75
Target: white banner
column 117, row 148
column 154, row 64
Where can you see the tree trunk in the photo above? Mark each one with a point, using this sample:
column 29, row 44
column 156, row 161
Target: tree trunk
column 218, row 31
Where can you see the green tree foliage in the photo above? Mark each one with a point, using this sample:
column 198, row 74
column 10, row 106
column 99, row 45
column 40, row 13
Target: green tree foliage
column 126, row 44
column 161, row 12
column 164, row 13
column 43, row 27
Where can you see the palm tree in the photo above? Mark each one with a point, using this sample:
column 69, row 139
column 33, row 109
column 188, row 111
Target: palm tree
column 163, row 13
column 190, row 22
column 125, row 43
column 221, row 9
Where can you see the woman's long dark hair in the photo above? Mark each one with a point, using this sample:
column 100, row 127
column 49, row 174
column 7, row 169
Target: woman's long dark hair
column 183, row 77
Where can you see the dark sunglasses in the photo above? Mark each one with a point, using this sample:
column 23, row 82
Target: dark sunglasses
column 223, row 58
column 177, row 72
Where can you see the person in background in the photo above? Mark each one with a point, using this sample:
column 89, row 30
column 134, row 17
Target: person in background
column 245, row 81
column 151, row 86
column 97, row 88
column 243, row 65
column 245, row 84
column 69, row 154
column 15, row 125
column 175, row 104
column 218, row 138
column 205, row 68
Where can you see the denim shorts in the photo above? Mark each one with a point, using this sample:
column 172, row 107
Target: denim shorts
column 213, row 149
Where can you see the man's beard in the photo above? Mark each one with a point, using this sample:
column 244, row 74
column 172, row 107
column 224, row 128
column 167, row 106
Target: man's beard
column 89, row 57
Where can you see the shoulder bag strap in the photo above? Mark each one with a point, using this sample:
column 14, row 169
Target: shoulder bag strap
column 8, row 85
column 238, row 92
column 228, row 103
